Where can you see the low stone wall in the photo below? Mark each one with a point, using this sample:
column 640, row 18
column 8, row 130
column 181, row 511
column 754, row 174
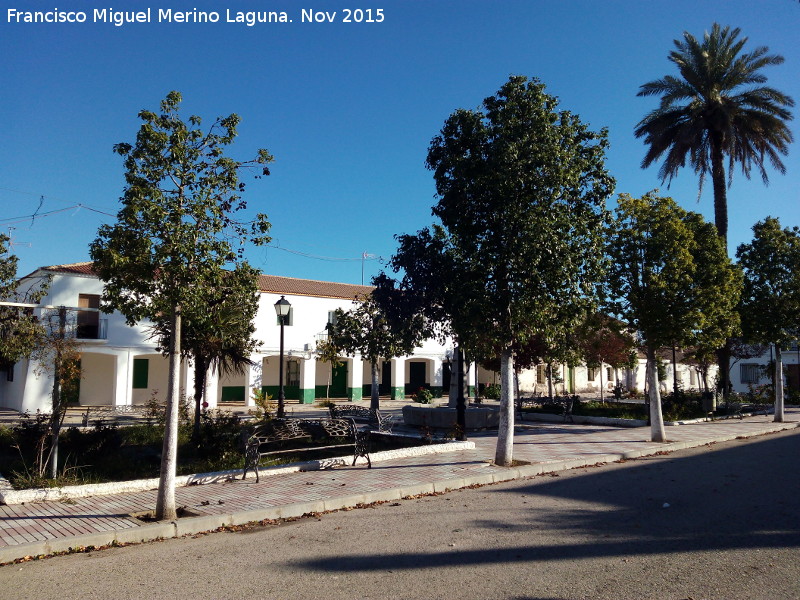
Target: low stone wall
column 444, row 417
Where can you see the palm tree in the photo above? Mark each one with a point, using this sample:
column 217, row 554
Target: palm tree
column 716, row 108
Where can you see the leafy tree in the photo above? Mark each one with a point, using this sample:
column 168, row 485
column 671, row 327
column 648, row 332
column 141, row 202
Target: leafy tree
column 605, row 341
column 716, row 108
column 432, row 300
column 174, row 236
column 771, row 297
column 20, row 330
column 57, row 354
column 217, row 331
column 365, row 330
column 672, row 281
column 328, row 353
column 521, row 194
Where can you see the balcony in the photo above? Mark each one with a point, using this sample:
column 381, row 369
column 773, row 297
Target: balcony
column 92, row 329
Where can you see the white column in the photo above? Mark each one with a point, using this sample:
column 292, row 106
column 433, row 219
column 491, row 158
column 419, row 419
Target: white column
column 472, row 379
column 398, row 391
column 212, row 388
column 123, row 374
column 355, row 379
column 308, row 380
column 254, row 379
column 436, row 374
column 187, row 380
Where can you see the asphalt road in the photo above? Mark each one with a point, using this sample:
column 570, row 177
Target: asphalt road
column 720, row 521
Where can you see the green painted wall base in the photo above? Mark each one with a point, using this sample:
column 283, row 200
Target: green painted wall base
column 321, row 391
column 472, row 391
column 355, row 394
column 398, row 393
column 290, row 392
column 307, row 396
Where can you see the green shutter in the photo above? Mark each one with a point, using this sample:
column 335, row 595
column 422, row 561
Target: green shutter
column 141, row 368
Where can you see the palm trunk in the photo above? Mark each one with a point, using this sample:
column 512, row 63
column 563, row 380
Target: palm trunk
column 200, row 369
column 165, row 502
column 505, row 432
column 657, row 433
column 778, row 385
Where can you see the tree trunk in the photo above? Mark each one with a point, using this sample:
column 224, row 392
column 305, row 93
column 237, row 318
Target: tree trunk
column 199, row 393
column 165, row 502
column 657, row 433
column 375, row 397
column 721, row 223
column 674, row 374
column 778, row 385
column 55, row 415
column 505, row 432
column 550, row 379
column 461, row 401
column 455, row 379
column 720, row 188
column 602, row 397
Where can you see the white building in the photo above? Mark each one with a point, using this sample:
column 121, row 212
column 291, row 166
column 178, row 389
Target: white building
column 120, row 365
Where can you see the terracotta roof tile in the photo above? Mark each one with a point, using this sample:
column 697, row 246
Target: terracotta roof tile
column 266, row 283
column 310, row 287
column 81, row 268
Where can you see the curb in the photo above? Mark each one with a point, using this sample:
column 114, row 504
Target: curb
column 208, row 523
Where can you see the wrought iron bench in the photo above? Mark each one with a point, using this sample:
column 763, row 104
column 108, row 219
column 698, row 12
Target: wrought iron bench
column 362, row 414
column 268, row 439
column 522, row 402
column 559, row 405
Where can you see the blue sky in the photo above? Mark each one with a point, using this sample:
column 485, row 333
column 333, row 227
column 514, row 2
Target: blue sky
column 348, row 110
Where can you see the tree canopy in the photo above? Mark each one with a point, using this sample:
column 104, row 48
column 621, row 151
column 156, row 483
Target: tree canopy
column 366, row 330
column 20, row 330
column 771, row 297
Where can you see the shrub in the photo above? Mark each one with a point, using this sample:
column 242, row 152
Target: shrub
column 423, row 396
column 492, row 391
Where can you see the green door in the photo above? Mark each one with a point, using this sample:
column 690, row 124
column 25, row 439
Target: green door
column 416, row 376
column 339, row 381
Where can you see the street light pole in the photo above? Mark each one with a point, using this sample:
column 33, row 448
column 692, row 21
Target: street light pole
column 282, row 308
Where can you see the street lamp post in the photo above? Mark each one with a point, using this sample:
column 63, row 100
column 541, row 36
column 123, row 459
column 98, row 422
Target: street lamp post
column 282, row 308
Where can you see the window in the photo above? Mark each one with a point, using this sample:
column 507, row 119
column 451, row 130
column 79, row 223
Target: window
column 141, row 368
column 332, row 318
column 88, row 320
column 293, row 373
column 289, row 319
column 593, row 371
column 750, row 373
column 541, row 373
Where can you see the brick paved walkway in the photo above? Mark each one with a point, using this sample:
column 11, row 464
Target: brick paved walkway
column 46, row 527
